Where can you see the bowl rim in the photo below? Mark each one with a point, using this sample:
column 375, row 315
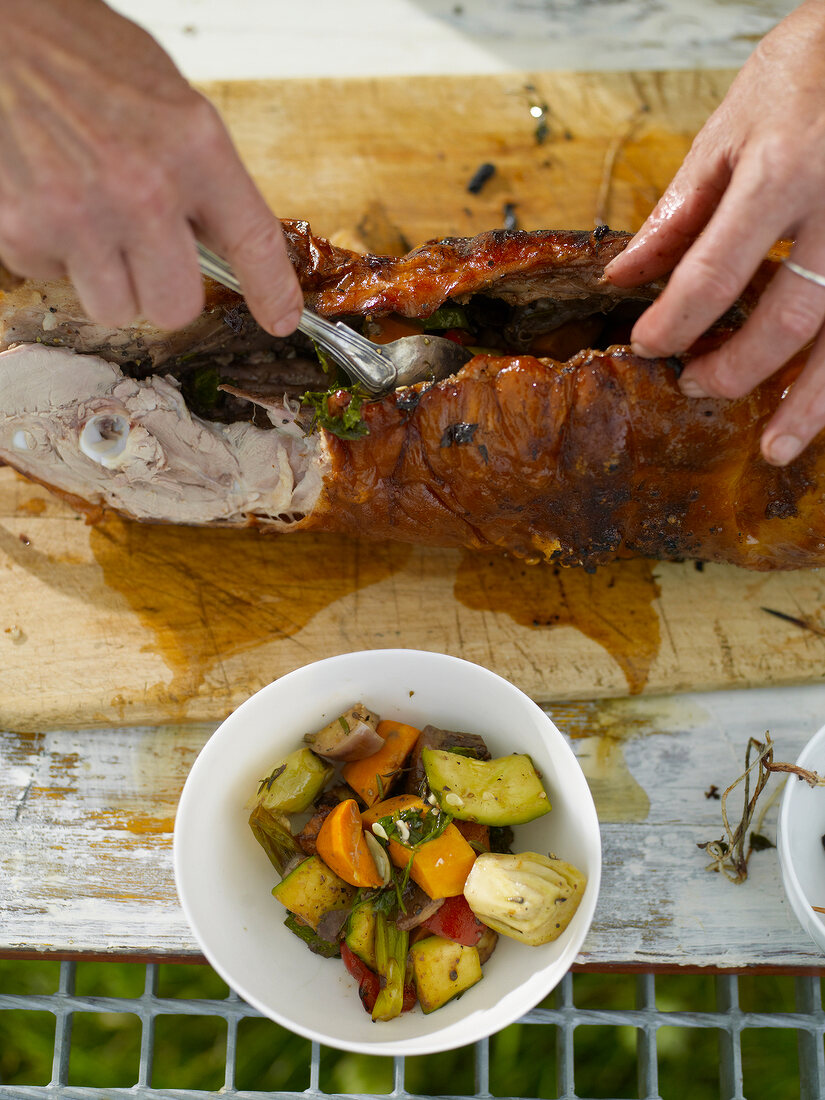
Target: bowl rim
column 422, row 1044
column 793, row 886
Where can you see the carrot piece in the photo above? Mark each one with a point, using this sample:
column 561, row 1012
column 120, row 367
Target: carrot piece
column 373, row 776
column 391, row 327
column 439, row 866
column 341, row 845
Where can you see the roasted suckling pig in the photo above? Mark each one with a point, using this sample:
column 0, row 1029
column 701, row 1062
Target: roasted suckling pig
column 553, row 443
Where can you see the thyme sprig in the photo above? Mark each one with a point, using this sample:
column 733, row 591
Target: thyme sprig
column 270, row 779
column 420, row 827
column 728, row 854
column 388, row 899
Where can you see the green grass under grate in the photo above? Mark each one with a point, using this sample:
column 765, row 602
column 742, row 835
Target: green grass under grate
column 190, row 1051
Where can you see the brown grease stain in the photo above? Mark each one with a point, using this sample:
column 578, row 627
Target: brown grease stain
column 601, row 730
column 613, row 606
column 124, row 819
column 206, row 593
column 148, row 825
column 36, row 506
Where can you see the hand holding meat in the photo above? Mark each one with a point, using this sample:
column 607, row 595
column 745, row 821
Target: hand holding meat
column 755, row 173
column 112, row 165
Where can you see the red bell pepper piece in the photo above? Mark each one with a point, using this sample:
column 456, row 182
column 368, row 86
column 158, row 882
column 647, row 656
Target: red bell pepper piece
column 369, row 983
column 410, row 997
column 456, row 921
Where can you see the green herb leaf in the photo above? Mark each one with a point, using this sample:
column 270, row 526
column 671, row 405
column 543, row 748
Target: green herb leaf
column 760, row 843
column 270, row 779
column 422, row 827
column 313, row 941
column 447, row 316
column 348, row 424
column 344, row 723
column 328, row 365
column 200, row 388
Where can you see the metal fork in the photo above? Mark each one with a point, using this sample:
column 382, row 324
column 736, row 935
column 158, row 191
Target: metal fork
column 379, row 368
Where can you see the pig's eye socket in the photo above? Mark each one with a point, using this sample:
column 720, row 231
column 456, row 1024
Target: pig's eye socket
column 23, row 440
column 104, row 437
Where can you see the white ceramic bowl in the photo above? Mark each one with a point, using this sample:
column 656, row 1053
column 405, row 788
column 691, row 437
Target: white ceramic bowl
column 224, row 878
column 799, row 841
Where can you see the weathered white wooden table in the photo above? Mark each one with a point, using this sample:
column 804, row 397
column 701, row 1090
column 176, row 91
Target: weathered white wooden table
column 86, row 820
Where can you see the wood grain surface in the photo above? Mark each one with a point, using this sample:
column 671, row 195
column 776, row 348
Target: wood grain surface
column 88, row 815
column 121, row 624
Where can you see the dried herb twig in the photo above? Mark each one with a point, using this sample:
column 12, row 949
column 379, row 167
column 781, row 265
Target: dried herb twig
column 803, row 624
column 609, row 165
column 728, row 854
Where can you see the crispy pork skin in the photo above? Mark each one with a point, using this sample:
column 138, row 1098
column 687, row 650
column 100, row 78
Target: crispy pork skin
column 579, row 463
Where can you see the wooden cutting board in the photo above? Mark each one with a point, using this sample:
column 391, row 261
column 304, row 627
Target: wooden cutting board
column 123, row 624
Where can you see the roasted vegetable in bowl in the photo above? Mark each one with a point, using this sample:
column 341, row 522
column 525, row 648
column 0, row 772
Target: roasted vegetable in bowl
column 400, row 861
column 527, row 896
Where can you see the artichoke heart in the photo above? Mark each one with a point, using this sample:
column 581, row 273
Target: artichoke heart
column 527, row 896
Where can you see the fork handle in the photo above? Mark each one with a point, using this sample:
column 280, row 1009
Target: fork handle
column 363, row 361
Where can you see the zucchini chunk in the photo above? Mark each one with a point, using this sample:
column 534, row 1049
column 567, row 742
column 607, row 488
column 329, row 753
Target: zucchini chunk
column 294, row 783
column 504, row 791
column 442, row 969
column 360, row 935
column 312, row 890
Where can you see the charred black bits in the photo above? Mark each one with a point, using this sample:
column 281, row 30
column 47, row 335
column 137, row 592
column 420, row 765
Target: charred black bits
column 600, row 232
column 482, row 174
column 458, row 434
column 510, row 219
column 234, row 319
column 408, row 401
column 780, row 509
column 712, row 792
column 482, row 450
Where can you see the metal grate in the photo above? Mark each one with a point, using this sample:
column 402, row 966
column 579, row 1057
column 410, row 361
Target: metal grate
column 730, row 1022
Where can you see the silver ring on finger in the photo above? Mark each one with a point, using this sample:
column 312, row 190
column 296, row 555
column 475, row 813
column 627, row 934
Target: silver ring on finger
column 804, row 272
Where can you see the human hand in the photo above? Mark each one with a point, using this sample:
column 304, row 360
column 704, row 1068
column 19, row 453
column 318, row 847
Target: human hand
column 112, row 166
column 755, row 173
